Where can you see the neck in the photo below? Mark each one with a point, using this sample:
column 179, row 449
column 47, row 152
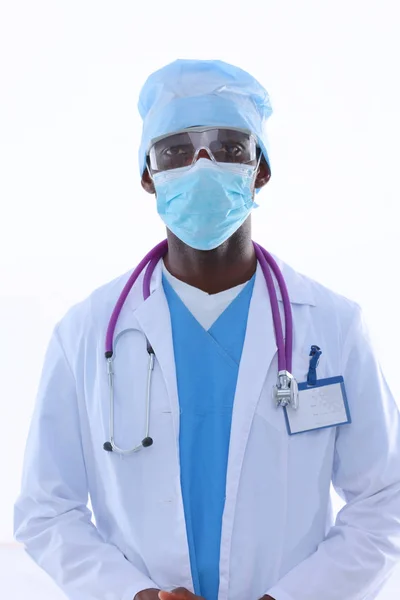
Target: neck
column 213, row 271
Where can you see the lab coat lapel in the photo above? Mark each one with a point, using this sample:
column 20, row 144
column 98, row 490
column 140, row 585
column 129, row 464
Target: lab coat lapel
column 258, row 351
column 170, row 558
column 154, row 319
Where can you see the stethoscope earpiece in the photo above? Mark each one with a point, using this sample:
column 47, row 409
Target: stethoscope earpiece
column 107, row 446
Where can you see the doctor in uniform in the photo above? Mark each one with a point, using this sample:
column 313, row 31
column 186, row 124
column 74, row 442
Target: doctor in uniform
column 206, row 400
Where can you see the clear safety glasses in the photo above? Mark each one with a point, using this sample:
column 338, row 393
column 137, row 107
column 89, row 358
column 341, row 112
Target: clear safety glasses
column 181, row 149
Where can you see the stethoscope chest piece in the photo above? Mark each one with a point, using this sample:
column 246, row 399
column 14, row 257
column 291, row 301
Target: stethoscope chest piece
column 286, row 391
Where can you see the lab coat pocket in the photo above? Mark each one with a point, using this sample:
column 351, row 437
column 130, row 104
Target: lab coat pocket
column 298, row 466
column 313, row 448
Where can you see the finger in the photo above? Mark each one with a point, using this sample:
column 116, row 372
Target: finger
column 176, row 594
column 165, row 595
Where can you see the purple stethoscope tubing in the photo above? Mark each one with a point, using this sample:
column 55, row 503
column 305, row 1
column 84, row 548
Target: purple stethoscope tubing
column 152, row 257
column 267, row 264
column 284, row 344
column 285, row 392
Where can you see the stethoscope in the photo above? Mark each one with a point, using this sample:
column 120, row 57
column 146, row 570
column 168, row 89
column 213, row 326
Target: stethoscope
column 285, row 392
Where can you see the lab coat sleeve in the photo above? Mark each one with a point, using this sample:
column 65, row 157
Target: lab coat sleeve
column 361, row 549
column 51, row 517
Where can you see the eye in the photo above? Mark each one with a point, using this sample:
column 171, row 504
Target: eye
column 233, row 149
column 174, row 151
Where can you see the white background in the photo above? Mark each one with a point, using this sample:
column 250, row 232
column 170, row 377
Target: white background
column 73, row 214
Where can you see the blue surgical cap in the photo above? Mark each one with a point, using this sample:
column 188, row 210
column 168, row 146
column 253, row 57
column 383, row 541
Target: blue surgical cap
column 191, row 93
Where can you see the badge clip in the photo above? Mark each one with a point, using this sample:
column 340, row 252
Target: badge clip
column 315, row 354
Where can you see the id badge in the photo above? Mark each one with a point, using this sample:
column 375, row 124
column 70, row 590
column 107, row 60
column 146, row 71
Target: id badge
column 320, row 406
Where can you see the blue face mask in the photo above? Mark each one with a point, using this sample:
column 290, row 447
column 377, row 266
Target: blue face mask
column 203, row 205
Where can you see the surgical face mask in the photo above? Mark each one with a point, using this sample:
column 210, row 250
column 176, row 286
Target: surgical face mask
column 205, row 204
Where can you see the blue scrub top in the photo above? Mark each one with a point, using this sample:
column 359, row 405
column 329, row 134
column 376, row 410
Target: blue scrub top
column 207, row 366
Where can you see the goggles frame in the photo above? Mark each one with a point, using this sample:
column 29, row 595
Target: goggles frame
column 199, row 129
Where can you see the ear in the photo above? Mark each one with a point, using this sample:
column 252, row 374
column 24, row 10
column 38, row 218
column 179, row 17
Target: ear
column 147, row 183
column 263, row 175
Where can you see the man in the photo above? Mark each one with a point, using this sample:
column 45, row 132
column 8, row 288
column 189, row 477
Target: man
column 228, row 495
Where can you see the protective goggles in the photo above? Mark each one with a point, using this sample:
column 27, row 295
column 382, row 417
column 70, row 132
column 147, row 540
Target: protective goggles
column 181, row 149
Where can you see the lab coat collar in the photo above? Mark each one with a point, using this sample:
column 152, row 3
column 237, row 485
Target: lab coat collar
column 299, row 287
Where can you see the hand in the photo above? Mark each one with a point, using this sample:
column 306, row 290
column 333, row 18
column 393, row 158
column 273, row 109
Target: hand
column 150, row 594
column 178, row 594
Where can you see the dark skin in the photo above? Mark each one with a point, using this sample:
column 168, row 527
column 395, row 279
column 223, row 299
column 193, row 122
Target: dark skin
column 213, row 271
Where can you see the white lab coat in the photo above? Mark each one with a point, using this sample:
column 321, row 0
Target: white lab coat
column 278, row 535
